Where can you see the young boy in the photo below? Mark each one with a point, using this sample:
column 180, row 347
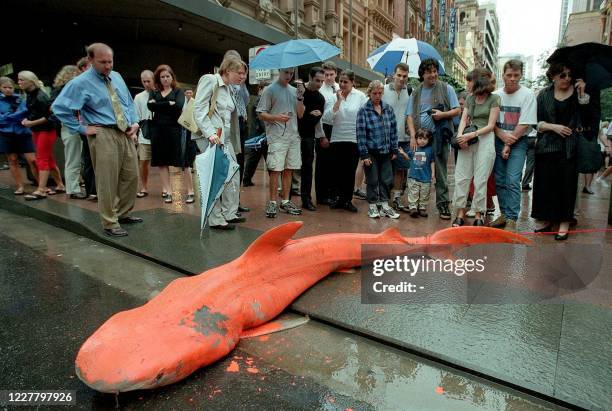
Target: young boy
column 419, row 177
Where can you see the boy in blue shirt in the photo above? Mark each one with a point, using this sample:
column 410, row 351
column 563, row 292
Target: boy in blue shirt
column 419, row 178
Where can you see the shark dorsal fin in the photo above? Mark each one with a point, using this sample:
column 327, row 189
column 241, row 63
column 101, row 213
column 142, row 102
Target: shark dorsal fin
column 273, row 239
column 392, row 233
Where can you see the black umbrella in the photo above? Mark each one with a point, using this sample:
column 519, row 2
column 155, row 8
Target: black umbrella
column 589, row 61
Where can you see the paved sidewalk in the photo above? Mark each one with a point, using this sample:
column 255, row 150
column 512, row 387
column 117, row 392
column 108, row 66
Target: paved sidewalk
column 559, row 349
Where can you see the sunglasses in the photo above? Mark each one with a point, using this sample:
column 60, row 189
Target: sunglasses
column 565, row 75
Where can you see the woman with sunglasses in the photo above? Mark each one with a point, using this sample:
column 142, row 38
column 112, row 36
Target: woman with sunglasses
column 341, row 111
column 563, row 107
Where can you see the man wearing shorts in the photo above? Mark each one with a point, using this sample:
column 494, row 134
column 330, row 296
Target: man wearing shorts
column 279, row 107
column 144, row 142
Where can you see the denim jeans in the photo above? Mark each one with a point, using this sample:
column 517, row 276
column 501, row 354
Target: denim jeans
column 508, row 175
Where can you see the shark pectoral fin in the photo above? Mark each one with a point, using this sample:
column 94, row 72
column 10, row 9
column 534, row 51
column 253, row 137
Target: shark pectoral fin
column 272, row 240
column 279, row 324
column 346, row 270
column 466, row 236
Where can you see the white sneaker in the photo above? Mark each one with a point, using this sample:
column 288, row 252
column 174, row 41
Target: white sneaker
column 471, row 213
column 389, row 212
column 373, row 211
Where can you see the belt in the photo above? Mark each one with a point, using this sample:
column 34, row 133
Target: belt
column 113, row 126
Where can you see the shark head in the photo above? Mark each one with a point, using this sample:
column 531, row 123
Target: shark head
column 131, row 352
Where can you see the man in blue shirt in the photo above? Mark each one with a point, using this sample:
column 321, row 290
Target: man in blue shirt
column 109, row 120
column 432, row 106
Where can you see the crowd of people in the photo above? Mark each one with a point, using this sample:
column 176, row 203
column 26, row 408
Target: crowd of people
column 392, row 139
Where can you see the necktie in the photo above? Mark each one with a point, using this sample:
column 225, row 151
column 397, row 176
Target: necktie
column 119, row 116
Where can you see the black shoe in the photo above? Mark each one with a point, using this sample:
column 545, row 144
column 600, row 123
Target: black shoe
column 227, row 227
column 586, row 190
column 243, row 209
column 350, row 207
column 478, row 222
column 237, row 220
column 79, row 196
column 130, row 220
column 309, row 206
column 444, row 212
column 115, row 232
column 247, row 184
column 562, row 237
column 458, row 222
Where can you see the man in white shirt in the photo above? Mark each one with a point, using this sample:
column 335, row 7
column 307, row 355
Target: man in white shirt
column 517, row 114
column 279, row 107
column 324, row 162
column 396, row 95
column 144, row 142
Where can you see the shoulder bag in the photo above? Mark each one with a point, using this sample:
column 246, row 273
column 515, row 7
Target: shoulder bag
column 470, row 128
column 187, row 119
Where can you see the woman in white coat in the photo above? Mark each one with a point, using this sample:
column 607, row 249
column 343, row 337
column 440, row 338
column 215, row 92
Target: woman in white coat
column 215, row 115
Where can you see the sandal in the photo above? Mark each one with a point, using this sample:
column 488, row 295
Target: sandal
column 60, row 190
column 165, row 194
column 34, row 196
column 51, row 192
column 168, row 199
column 19, row 192
column 142, row 194
column 458, row 222
column 190, row 198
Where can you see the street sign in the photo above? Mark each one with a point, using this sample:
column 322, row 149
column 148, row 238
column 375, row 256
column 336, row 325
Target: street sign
column 258, row 75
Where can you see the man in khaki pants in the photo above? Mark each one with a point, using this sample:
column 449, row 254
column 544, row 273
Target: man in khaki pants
column 111, row 125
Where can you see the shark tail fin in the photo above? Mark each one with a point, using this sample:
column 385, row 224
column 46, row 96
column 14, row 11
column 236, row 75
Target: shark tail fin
column 273, row 240
column 465, row 236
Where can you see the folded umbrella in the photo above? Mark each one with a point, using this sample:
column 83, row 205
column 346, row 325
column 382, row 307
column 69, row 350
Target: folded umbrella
column 410, row 51
column 215, row 170
column 294, row 53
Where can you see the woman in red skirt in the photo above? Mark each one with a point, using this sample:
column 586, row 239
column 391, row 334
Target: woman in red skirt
column 44, row 134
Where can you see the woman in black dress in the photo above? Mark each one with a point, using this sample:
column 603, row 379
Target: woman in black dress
column 562, row 108
column 167, row 138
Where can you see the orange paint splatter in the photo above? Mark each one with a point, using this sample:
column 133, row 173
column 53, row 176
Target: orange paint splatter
column 233, row 367
column 252, row 370
column 264, row 338
column 439, row 390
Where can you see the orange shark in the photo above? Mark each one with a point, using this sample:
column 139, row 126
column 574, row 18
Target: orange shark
column 198, row 320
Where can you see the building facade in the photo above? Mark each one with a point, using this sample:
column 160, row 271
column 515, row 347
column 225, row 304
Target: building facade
column 477, row 34
column 192, row 36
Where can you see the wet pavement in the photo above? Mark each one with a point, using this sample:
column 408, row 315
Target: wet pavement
column 512, row 327
column 56, row 288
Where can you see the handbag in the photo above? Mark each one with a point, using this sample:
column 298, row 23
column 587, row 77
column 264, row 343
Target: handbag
column 145, row 129
column 471, row 128
column 588, row 154
column 187, row 119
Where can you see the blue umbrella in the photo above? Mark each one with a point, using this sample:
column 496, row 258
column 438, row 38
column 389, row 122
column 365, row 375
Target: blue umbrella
column 409, row 51
column 215, row 169
column 294, row 53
